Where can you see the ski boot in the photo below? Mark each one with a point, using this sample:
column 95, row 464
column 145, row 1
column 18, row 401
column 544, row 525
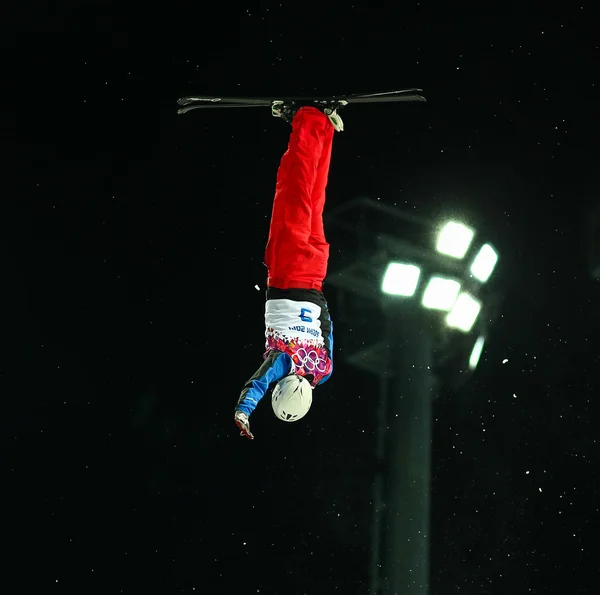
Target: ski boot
column 287, row 110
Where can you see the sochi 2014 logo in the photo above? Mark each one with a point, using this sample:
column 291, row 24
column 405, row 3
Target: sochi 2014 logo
column 310, row 360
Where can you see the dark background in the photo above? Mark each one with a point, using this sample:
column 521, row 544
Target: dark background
column 132, row 241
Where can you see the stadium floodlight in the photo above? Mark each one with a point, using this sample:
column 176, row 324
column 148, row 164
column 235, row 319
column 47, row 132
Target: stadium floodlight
column 484, row 263
column 476, row 353
column 454, row 239
column 401, row 279
column 464, row 313
column 440, row 293
column 434, row 336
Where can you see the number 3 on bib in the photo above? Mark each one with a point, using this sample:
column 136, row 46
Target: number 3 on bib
column 304, row 315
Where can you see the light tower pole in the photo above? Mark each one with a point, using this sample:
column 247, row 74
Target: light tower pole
column 593, row 242
column 428, row 310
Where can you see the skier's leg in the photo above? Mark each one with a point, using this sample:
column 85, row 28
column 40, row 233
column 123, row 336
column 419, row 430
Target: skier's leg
column 317, row 234
column 289, row 256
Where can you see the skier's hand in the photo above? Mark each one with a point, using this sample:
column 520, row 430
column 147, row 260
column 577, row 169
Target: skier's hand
column 243, row 423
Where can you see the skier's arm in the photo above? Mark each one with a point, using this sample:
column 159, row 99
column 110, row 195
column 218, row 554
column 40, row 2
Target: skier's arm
column 274, row 368
column 329, row 343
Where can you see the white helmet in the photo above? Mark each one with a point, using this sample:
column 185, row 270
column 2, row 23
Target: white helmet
column 292, row 398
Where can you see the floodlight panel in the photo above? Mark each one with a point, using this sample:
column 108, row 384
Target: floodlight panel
column 476, row 353
column 464, row 313
column 484, row 263
column 454, row 239
column 440, row 293
column 401, row 279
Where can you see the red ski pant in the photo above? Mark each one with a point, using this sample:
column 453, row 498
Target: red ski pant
column 297, row 252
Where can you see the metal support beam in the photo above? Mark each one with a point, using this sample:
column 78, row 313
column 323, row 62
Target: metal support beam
column 404, row 553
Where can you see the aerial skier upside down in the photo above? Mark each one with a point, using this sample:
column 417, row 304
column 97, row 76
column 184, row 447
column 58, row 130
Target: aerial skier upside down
column 299, row 331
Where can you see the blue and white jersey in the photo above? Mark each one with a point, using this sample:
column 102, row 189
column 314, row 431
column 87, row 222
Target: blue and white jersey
column 294, row 327
column 298, row 340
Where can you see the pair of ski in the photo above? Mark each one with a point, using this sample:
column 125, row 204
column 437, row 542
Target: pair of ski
column 188, row 104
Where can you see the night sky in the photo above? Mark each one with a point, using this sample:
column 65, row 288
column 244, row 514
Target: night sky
column 132, row 244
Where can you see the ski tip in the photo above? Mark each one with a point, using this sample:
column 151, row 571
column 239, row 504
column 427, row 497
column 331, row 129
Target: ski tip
column 185, row 110
column 396, row 92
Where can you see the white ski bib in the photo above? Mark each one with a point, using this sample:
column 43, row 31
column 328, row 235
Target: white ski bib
column 290, row 320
